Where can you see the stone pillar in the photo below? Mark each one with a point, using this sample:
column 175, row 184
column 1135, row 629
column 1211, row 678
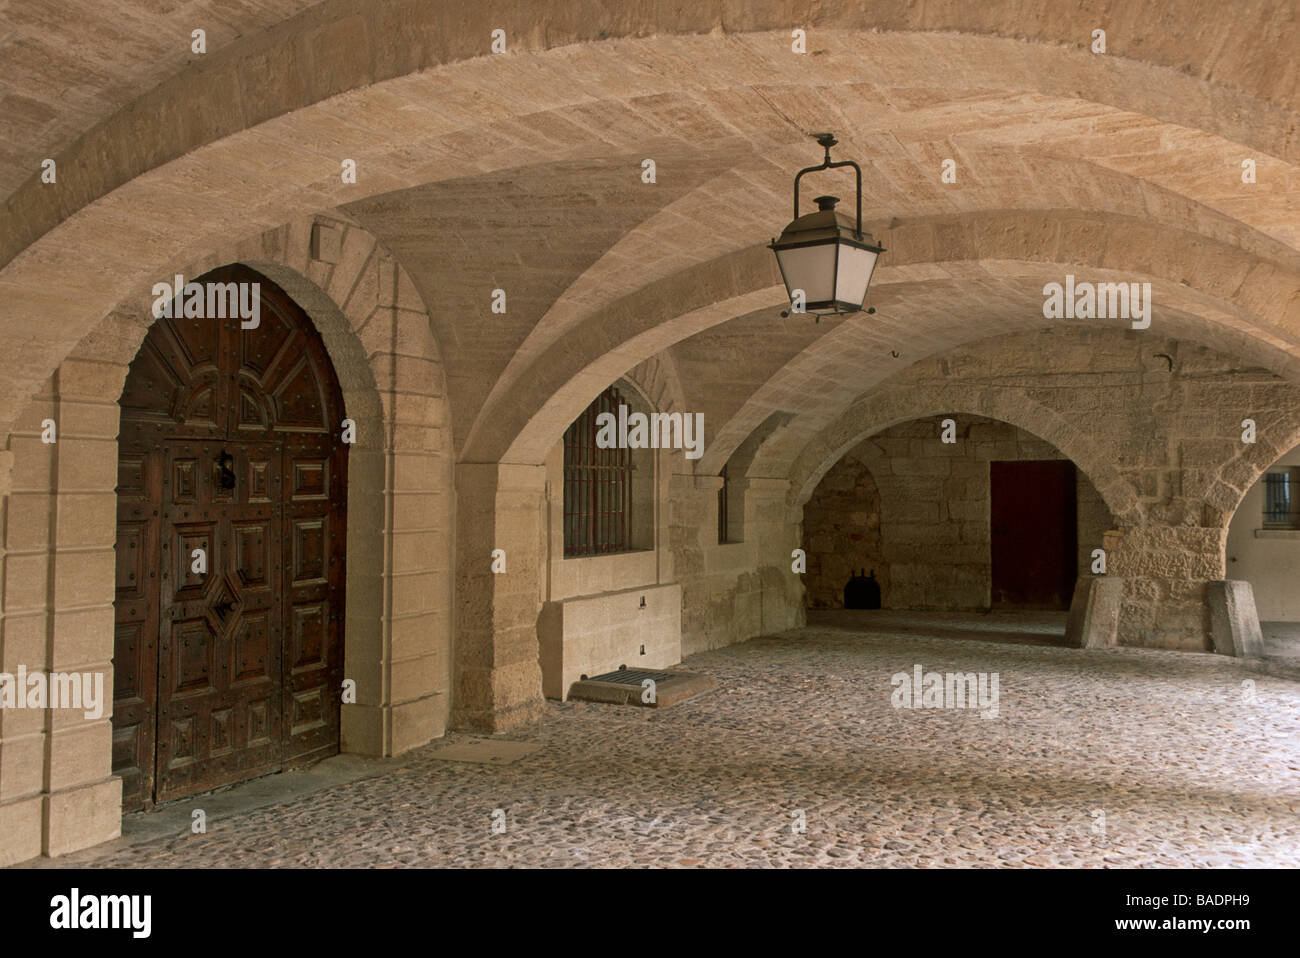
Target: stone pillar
column 693, row 503
column 399, row 548
column 57, row 791
column 22, row 637
column 498, row 677
column 1166, row 570
column 776, row 538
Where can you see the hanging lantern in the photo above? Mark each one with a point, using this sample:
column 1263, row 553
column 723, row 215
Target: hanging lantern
column 826, row 260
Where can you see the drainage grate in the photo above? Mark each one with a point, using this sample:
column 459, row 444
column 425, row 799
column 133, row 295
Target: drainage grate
column 633, row 676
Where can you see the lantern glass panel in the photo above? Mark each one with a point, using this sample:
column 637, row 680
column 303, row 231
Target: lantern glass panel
column 810, row 268
column 854, row 274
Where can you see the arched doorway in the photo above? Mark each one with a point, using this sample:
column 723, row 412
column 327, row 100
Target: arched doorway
column 1263, row 543
column 231, row 518
column 990, row 517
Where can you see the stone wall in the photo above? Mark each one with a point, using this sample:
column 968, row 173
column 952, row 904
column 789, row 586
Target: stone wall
column 841, row 534
column 736, row 590
column 638, row 628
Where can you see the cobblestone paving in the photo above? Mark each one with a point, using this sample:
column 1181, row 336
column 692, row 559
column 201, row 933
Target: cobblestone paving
column 1115, row 757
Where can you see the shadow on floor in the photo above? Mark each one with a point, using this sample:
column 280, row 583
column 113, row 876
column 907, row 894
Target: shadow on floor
column 1282, row 643
column 1017, row 628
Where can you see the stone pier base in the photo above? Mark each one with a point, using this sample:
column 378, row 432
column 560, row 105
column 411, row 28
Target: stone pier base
column 1234, row 621
column 1094, row 612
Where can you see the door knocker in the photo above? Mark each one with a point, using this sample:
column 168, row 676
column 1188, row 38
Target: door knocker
column 226, row 463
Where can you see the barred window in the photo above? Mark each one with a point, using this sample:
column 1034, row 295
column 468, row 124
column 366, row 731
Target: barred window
column 597, row 486
column 1282, row 498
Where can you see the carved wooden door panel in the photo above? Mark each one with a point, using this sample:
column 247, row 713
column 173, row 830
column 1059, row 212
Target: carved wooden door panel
column 219, row 675
column 135, row 608
column 314, row 538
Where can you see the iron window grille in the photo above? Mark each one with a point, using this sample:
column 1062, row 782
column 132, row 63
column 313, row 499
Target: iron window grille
column 597, row 486
column 1282, row 499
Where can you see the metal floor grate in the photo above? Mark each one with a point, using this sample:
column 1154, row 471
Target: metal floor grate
column 632, row 676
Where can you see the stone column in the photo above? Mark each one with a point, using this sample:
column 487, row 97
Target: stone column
column 692, row 503
column 1234, row 621
column 60, row 532
column 498, row 676
column 23, row 547
column 1167, row 571
column 776, row 537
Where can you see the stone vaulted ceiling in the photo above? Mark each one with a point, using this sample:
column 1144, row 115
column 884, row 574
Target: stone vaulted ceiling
column 521, row 171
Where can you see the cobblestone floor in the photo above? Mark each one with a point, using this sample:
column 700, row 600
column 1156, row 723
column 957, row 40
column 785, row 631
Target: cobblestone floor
column 1100, row 758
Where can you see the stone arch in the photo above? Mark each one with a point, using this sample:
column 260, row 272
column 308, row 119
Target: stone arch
column 550, row 390
column 1277, row 432
column 398, row 627
column 120, row 190
column 901, row 404
column 658, row 382
column 1265, row 554
column 654, row 387
column 390, row 54
column 263, row 407
column 580, row 591
column 920, row 513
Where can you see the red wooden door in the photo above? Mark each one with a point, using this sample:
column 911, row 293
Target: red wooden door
column 1033, row 533
column 230, row 444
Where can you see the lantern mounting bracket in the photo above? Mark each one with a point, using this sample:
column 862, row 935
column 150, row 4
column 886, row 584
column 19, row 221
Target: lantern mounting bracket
column 826, row 141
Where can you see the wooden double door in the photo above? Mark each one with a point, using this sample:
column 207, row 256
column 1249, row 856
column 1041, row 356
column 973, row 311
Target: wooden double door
column 228, row 656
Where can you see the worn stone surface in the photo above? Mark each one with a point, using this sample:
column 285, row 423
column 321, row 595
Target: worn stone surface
column 1234, row 621
column 1093, row 621
column 1105, row 758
